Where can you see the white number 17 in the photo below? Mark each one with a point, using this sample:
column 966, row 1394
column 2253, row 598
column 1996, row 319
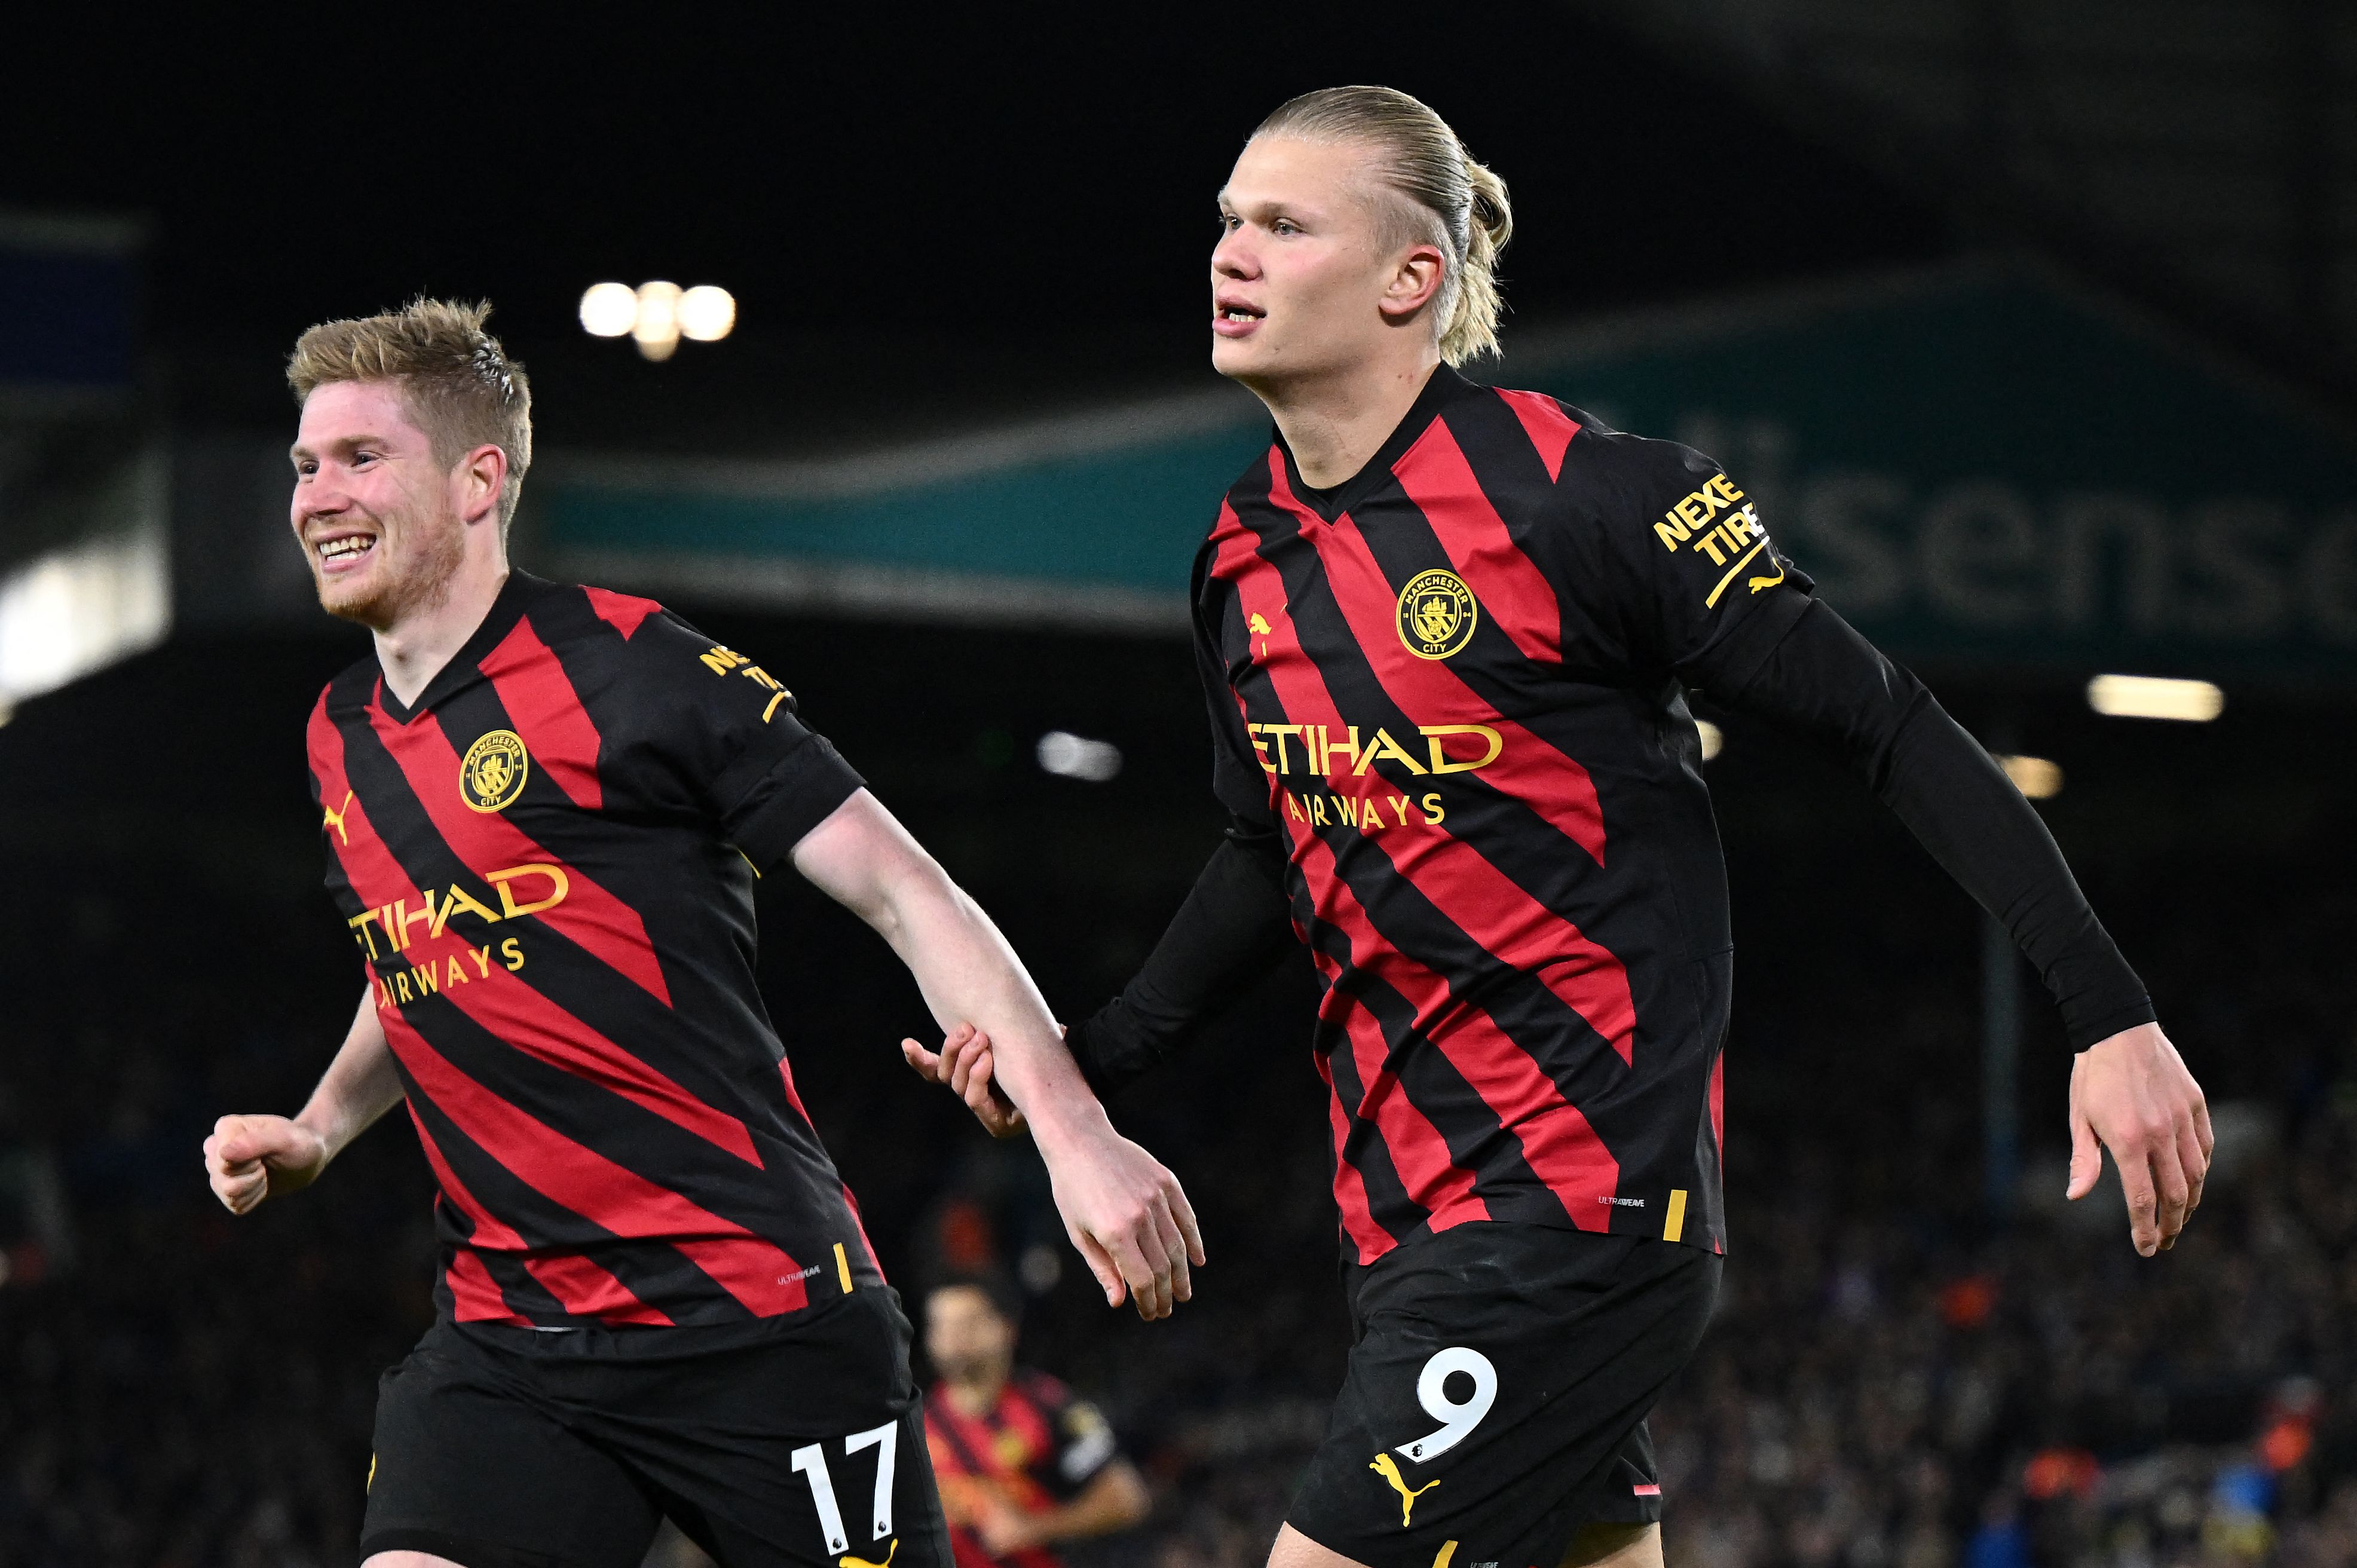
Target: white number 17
column 810, row 1460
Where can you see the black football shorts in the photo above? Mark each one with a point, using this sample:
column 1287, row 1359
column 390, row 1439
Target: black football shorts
column 1496, row 1398
column 799, row 1441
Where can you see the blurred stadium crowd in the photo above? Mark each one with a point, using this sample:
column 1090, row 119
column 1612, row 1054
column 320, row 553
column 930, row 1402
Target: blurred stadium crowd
column 1891, row 1380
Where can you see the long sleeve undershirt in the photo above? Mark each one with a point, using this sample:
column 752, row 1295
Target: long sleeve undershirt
column 1819, row 680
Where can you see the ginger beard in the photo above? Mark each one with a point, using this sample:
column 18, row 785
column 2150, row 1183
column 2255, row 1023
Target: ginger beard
column 409, row 569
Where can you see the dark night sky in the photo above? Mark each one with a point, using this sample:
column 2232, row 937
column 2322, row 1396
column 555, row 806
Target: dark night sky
column 1015, row 197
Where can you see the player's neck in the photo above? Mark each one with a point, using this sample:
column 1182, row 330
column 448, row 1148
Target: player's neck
column 1334, row 424
column 413, row 650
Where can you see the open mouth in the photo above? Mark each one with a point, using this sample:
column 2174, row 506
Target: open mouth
column 1232, row 319
column 344, row 551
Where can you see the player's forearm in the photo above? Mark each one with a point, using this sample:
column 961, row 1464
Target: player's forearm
column 358, row 1086
column 1948, row 790
column 969, row 974
column 1235, row 927
column 863, row 858
column 1829, row 684
column 1115, row 1500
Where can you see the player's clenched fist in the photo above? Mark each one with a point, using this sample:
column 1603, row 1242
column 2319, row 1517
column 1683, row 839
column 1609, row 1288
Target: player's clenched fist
column 250, row 1158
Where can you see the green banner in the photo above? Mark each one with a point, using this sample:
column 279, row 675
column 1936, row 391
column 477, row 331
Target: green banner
column 1987, row 466
column 1974, row 464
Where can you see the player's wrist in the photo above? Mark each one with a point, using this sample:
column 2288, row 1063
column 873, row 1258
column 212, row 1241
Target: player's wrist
column 328, row 1132
column 1069, row 1122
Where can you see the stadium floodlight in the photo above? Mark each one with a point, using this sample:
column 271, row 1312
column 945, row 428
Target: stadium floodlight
column 609, row 309
column 1068, row 756
column 706, row 313
column 2036, row 776
column 656, row 315
column 2154, row 697
column 656, row 330
column 1713, row 737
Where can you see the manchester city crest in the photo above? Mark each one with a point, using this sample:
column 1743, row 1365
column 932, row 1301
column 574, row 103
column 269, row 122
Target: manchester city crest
column 1436, row 613
column 491, row 774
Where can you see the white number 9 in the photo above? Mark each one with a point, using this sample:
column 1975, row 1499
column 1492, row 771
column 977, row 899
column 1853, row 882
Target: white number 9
column 1457, row 1419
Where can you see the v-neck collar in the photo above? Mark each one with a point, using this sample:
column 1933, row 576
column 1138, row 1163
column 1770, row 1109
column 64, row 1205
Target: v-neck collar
column 1444, row 386
column 460, row 669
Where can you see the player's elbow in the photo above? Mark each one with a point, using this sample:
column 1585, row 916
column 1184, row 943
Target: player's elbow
column 914, row 893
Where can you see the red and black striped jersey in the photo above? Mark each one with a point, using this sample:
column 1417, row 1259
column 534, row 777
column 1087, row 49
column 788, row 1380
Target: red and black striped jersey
column 1035, row 1449
column 1455, row 682
column 546, row 863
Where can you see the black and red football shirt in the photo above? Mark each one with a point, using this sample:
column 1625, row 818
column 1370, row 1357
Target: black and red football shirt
column 1035, row 1449
column 1455, row 685
column 546, row 863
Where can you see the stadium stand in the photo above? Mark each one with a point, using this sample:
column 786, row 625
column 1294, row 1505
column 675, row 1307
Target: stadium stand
column 1891, row 1380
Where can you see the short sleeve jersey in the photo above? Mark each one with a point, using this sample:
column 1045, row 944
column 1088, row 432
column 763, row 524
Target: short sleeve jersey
column 1036, row 1448
column 546, row 865
column 1456, row 683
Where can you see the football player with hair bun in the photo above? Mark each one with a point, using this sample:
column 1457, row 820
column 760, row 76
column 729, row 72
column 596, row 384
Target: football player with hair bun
column 1448, row 631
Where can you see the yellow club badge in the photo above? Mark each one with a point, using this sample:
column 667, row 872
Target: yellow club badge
column 1436, row 613
column 491, row 774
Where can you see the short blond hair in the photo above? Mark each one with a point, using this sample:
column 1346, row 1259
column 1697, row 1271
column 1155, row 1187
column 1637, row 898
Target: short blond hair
column 463, row 391
column 1437, row 188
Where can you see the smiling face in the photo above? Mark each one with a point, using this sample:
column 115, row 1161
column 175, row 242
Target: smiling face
column 376, row 514
column 1306, row 280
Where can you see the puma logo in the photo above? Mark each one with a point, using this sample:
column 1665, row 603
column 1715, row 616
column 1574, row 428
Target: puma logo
column 1758, row 582
column 892, row 1551
column 333, row 817
column 1388, row 1468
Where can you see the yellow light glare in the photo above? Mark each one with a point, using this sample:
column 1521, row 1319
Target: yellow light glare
column 609, row 309
column 2154, row 697
column 657, row 327
column 1713, row 737
column 706, row 313
column 2033, row 775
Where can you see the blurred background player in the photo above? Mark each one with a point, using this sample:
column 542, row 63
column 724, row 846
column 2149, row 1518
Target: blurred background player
column 544, row 810
column 1447, row 632
column 1024, row 1465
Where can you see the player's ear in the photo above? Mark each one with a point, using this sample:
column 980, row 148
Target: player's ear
column 1414, row 281
column 478, row 480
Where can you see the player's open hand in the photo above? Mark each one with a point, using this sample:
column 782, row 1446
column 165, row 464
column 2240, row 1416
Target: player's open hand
column 1128, row 1216
column 2131, row 1094
column 250, row 1158
column 964, row 1065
